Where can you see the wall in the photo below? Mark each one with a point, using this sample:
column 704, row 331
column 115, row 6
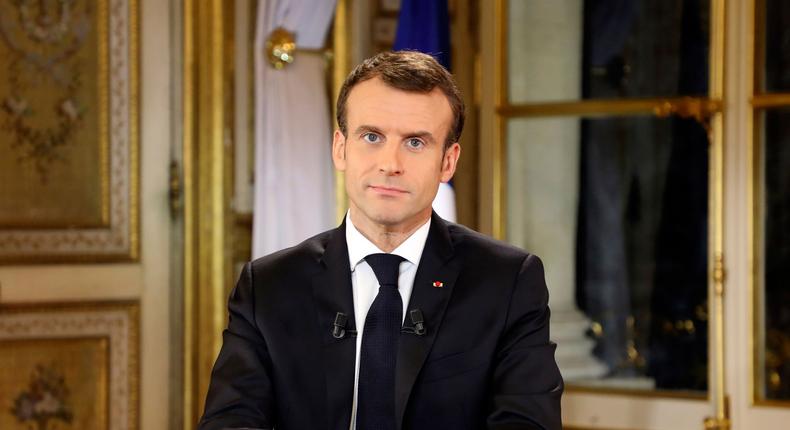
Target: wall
column 148, row 279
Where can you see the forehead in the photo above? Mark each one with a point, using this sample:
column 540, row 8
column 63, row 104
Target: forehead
column 373, row 102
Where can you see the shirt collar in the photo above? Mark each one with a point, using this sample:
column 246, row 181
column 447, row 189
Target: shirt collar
column 360, row 247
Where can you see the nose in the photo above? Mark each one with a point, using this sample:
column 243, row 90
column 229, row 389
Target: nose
column 389, row 161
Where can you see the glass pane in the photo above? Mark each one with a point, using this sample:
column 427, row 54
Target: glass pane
column 565, row 50
column 777, row 46
column 618, row 210
column 776, row 252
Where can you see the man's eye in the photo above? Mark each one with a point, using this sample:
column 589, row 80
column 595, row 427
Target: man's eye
column 415, row 143
column 371, row 138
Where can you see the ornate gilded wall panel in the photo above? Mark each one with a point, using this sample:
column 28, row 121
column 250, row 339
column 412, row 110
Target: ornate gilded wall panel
column 69, row 366
column 68, row 130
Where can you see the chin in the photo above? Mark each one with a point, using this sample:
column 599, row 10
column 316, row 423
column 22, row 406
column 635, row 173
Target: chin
column 395, row 218
column 387, row 213
column 388, row 218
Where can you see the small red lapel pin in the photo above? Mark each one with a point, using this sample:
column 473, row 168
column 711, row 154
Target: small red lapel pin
column 438, row 284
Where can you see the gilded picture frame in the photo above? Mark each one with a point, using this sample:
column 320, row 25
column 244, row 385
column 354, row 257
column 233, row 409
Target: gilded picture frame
column 69, row 143
column 73, row 365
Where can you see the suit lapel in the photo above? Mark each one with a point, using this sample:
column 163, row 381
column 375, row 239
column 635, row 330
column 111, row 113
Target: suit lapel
column 435, row 265
column 332, row 294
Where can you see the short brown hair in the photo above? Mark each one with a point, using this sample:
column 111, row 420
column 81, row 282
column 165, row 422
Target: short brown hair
column 408, row 71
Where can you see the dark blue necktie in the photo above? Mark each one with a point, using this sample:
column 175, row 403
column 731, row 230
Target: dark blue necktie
column 376, row 389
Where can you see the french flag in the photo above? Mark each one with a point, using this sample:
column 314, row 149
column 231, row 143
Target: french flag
column 424, row 25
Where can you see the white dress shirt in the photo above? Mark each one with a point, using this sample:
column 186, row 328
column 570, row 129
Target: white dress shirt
column 365, row 286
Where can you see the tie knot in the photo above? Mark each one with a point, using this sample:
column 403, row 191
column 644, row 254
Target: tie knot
column 386, row 267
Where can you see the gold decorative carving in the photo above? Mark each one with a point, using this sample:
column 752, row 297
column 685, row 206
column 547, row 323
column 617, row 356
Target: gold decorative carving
column 46, row 99
column 53, row 76
column 698, row 109
column 70, row 363
column 68, row 175
column 280, row 48
column 720, row 423
column 176, row 189
column 50, row 391
column 719, row 274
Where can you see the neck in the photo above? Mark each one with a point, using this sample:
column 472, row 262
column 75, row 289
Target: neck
column 387, row 237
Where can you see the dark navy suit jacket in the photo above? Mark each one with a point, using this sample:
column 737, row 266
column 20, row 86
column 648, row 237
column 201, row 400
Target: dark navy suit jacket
column 484, row 362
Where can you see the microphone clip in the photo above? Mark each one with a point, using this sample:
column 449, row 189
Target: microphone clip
column 418, row 323
column 339, row 326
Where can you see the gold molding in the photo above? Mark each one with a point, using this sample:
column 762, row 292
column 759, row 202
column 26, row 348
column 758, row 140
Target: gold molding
column 753, row 175
column 783, row 404
column 104, row 111
column 341, row 66
column 570, row 387
column 755, row 46
column 207, row 188
column 610, row 107
column 717, row 387
column 564, row 427
column 190, row 401
column 253, row 13
column 134, row 130
column 502, row 96
column 763, row 101
column 487, row 92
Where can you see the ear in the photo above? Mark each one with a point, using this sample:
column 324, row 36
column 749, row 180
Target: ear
column 450, row 161
column 339, row 150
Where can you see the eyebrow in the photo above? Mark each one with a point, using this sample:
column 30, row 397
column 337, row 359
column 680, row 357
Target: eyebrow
column 419, row 133
column 367, row 128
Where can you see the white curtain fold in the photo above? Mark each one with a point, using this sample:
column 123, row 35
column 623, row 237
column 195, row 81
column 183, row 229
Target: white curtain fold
column 294, row 180
column 444, row 202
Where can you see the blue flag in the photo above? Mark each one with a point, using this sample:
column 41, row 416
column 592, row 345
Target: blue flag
column 424, row 25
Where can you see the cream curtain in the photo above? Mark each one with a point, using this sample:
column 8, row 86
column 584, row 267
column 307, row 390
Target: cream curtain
column 294, row 185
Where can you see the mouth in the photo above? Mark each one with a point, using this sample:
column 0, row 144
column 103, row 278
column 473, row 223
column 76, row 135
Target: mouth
column 388, row 191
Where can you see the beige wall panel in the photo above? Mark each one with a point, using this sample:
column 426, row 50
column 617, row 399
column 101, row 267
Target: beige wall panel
column 155, row 142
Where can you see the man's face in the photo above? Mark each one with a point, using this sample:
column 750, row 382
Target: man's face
column 393, row 156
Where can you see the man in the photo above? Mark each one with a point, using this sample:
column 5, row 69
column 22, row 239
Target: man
column 396, row 319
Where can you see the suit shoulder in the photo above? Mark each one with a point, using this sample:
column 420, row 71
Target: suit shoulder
column 296, row 258
column 466, row 239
